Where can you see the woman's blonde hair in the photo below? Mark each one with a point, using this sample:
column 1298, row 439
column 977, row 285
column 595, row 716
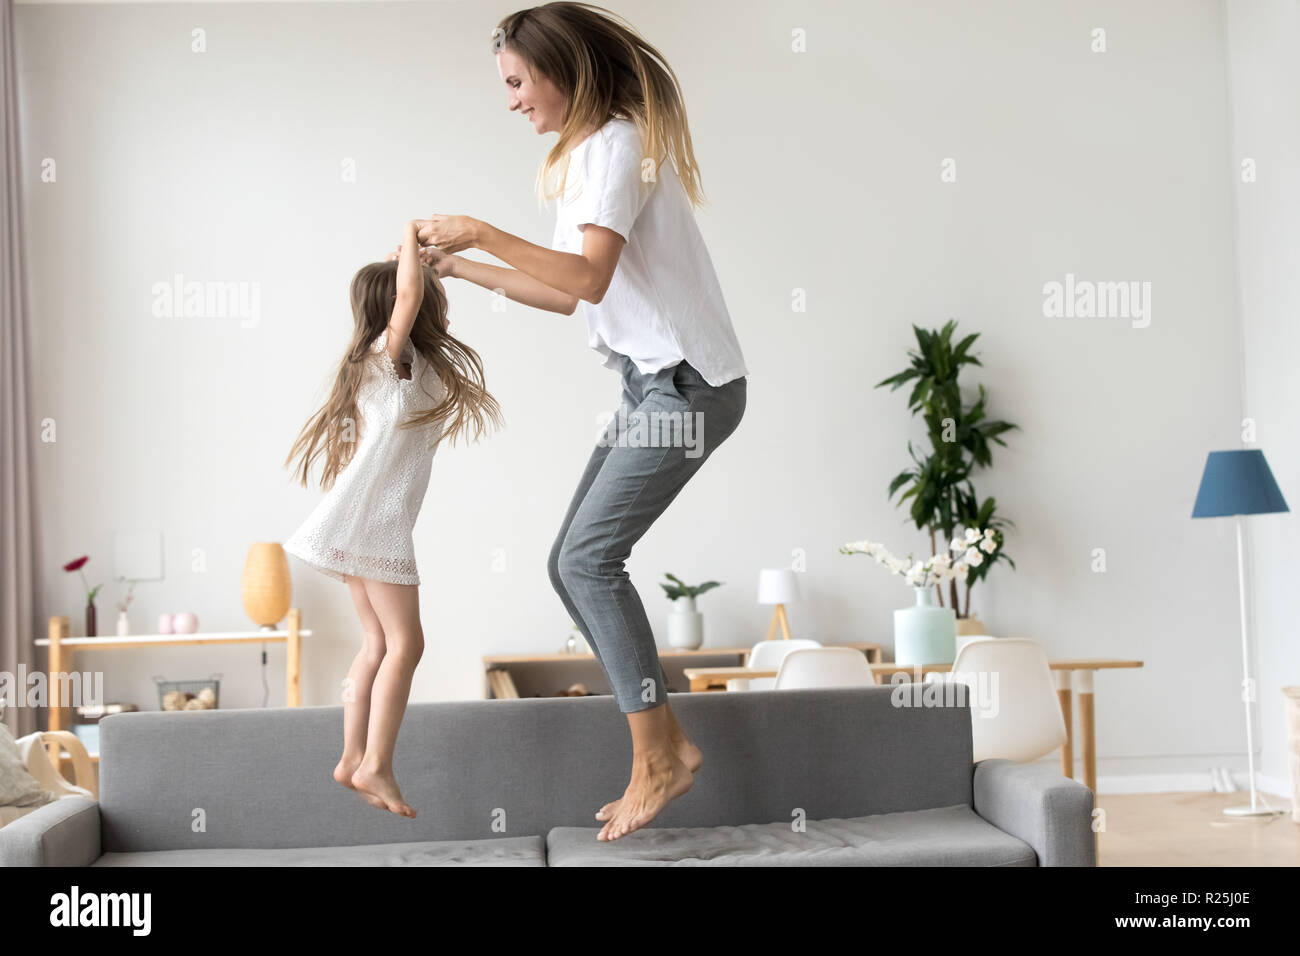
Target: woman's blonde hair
column 333, row 430
column 606, row 69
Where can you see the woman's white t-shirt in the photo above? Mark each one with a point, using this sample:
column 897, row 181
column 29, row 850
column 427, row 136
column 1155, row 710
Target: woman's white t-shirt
column 664, row 303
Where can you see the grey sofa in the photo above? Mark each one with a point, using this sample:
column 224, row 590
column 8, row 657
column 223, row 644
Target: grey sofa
column 837, row 777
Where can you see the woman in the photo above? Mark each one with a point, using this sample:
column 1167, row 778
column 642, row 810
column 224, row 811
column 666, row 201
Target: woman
column 627, row 246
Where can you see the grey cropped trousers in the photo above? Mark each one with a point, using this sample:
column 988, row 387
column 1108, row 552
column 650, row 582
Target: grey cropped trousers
column 667, row 425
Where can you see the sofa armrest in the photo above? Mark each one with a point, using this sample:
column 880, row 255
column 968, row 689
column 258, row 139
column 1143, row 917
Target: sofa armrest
column 64, row 832
column 1050, row 812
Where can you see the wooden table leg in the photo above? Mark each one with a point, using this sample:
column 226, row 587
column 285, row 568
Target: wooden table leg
column 1062, row 679
column 59, row 627
column 293, row 660
column 1087, row 728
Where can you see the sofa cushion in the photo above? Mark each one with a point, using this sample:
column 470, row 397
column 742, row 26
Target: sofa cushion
column 506, row 851
column 944, row 836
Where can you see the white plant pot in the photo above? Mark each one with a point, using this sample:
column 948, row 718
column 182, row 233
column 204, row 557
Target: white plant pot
column 685, row 625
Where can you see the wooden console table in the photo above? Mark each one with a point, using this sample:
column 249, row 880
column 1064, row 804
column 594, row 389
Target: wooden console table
column 63, row 648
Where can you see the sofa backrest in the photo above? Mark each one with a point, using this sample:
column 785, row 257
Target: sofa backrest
column 484, row 769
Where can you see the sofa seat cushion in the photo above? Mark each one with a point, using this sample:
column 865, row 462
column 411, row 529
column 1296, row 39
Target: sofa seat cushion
column 506, row 851
column 944, row 836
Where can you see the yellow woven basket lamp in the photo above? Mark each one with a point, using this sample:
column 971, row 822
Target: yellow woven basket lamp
column 267, row 587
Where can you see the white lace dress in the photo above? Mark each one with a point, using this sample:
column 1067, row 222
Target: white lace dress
column 363, row 525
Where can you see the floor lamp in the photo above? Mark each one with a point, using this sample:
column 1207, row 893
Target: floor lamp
column 1237, row 483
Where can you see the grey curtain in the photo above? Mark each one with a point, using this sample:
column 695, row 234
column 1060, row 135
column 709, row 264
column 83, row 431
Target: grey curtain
column 18, row 560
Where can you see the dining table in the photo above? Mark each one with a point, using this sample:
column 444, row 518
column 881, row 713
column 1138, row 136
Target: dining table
column 1072, row 678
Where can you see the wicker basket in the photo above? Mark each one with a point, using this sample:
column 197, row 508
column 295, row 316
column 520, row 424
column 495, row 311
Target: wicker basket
column 178, row 694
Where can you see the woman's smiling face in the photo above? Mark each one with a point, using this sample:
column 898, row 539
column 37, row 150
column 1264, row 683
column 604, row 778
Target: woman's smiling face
column 535, row 97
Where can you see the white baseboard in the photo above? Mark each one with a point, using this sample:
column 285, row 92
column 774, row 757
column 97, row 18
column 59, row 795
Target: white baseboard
column 1196, row 782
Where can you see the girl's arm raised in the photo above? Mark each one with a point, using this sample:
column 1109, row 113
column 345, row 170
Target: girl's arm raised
column 410, row 294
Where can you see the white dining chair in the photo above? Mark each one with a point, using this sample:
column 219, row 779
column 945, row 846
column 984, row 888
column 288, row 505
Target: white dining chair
column 1015, row 711
column 824, row 667
column 767, row 656
column 964, row 639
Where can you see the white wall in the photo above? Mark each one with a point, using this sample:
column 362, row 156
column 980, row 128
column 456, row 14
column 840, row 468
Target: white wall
column 1263, row 38
column 823, row 170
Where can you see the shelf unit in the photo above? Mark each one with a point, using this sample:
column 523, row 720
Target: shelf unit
column 63, row 649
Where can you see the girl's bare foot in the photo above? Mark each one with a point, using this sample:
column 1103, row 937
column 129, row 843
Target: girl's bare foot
column 687, row 753
column 381, row 785
column 656, row 780
column 343, row 774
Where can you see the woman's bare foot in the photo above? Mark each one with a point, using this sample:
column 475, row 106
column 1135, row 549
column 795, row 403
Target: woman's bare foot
column 687, row 753
column 656, row 780
column 382, row 786
column 343, row 774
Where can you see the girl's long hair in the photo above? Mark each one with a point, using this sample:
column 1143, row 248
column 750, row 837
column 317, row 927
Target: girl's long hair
column 606, row 69
column 332, row 431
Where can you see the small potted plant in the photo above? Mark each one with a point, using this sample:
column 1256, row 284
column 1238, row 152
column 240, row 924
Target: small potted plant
column 685, row 623
column 77, row 565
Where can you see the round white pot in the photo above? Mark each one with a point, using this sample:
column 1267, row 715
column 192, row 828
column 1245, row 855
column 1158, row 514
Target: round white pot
column 685, row 625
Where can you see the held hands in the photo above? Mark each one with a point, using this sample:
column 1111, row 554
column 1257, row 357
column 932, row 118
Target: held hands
column 441, row 263
column 449, row 233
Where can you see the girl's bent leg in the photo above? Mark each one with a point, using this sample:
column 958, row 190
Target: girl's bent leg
column 357, row 687
column 398, row 609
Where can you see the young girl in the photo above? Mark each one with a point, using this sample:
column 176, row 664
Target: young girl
column 403, row 385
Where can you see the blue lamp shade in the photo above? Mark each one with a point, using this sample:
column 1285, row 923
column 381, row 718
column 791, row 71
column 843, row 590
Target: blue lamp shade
column 1237, row 483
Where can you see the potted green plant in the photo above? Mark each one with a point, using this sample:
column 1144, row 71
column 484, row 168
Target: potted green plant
column 685, row 623
column 944, row 502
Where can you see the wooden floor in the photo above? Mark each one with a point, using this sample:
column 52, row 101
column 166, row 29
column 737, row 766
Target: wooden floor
column 1190, row 829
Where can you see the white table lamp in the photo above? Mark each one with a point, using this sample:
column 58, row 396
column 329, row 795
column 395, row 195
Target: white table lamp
column 778, row 586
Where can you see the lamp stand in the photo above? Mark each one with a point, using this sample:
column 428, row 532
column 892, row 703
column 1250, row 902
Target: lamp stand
column 778, row 616
column 1258, row 805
